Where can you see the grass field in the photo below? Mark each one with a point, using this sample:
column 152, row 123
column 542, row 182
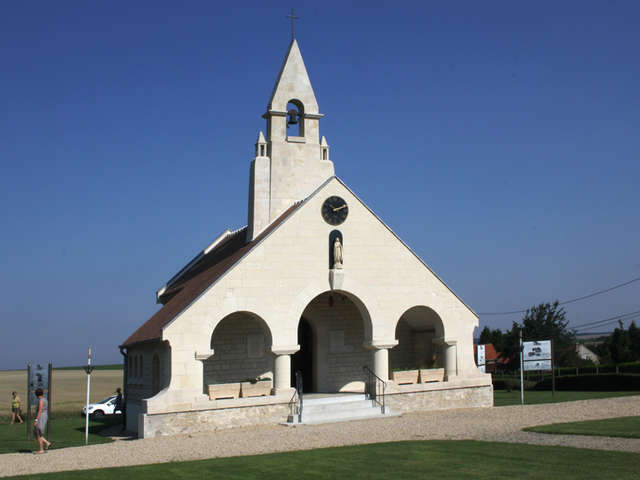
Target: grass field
column 64, row 431
column 503, row 398
column 627, row 427
column 69, row 388
column 406, row 460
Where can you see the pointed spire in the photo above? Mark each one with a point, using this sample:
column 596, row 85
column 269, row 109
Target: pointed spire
column 293, row 83
column 261, row 138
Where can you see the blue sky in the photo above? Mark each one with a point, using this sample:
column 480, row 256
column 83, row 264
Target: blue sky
column 499, row 140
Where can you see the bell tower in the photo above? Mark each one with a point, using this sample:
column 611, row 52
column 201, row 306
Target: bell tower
column 292, row 161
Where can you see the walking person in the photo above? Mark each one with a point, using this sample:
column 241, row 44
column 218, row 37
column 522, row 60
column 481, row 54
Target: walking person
column 118, row 403
column 40, row 422
column 16, row 407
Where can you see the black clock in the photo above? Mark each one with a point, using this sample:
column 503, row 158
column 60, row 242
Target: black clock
column 334, row 210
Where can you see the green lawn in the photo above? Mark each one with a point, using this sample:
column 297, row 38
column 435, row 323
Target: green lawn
column 65, row 431
column 405, row 460
column 628, row 427
column 502, row 398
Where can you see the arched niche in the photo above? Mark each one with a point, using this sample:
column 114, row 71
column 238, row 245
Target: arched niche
column 241, row 344
column 419, row 332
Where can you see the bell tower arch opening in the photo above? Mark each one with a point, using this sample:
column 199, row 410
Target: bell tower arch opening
column 295, row 118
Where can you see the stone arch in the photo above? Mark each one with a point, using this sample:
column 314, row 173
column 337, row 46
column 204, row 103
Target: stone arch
column 241, row 343
column 363, row 299
column 419, row 332
column 331, row 336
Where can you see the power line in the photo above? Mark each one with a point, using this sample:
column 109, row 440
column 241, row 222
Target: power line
column 577, row 299
column 622, row 316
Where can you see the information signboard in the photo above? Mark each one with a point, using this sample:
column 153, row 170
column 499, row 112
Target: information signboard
column 481, row 358
column 537, row 355
column 38, row 378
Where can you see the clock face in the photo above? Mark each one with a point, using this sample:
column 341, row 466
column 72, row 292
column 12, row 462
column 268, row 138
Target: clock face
column 334, row 210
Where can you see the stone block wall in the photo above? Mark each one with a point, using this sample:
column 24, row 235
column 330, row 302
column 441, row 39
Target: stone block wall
column 143, row 379
column 241, row 346
column 340, row 354
column 415, row 348
column 442, row 399
column 210, row 420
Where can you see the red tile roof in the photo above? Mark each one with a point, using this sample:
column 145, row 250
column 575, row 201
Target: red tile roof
column 199, row 277
column 490, row 354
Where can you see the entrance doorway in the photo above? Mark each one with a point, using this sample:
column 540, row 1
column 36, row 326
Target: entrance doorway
column 302, row 360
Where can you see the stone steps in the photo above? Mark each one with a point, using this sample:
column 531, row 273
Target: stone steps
column 338, row 408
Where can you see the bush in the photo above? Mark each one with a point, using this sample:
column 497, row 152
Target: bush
column 593, row 383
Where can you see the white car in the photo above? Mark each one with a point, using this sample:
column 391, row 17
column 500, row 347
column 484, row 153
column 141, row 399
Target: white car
column 103, row 407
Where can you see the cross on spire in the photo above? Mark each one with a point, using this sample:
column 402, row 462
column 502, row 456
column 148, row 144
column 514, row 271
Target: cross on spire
column 293, row 18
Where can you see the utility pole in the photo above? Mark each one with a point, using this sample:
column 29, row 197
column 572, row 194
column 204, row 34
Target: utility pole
column 88, row 369
column 521, row 367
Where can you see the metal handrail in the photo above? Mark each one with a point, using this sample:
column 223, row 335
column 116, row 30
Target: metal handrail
column 293, row 405
column 299, row 387
column 372, row 386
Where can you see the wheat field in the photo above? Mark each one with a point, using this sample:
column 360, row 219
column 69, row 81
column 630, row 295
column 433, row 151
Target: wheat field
column 69, row 388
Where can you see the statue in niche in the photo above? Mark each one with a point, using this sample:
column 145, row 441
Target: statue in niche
column 337, row 253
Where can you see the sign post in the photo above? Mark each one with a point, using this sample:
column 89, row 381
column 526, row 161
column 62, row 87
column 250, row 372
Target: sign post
column 538, row 356
column 553, row 371
column 38, row 377
column 88, row 369
column 521, row 368
column 27, row 420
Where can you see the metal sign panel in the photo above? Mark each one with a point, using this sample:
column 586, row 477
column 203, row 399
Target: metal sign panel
column 38, row 378
column 481, row 358
column 537, row 355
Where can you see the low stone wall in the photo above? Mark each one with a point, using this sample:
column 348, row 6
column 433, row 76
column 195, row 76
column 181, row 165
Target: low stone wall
column 443, row 399
column 209, row 420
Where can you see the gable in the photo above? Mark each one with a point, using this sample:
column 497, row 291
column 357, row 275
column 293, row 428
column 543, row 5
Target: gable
column 196, row 281
column 296, row 240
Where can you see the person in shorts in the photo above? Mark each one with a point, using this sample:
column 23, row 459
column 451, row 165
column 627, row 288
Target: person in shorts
column 40, row 422
column 16, row 407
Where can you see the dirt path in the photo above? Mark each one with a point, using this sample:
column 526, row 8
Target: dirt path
column 502, row 424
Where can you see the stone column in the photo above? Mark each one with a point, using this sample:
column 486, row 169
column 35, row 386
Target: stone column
column 282, row 364
column 381, row 357
column 450, row 359
column 381, row 363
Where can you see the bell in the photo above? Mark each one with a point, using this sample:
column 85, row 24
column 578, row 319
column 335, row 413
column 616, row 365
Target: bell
column 293, row 117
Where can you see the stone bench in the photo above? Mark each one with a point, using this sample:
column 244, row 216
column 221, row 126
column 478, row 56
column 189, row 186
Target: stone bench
column 431, row 375
column 223, row 390
column 257, row 389
column 403, row 377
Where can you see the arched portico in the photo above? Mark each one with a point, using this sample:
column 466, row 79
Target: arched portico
column 422, row 342
column 241, row 344
column 331, row 334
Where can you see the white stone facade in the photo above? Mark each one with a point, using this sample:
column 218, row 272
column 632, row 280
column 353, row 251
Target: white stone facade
column 281, row 305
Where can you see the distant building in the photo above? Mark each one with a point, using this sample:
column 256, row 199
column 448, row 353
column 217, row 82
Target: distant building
column 493, row 361
column 586, row 354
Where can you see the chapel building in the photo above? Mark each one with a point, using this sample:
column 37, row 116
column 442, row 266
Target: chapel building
column 315, row 298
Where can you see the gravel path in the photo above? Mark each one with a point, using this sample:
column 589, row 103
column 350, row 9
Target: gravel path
column 496, row 424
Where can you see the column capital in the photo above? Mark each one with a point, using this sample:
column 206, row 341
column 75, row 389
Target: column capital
column 203, row 355
column 284, row 349
column 445, row 341
column 380, row 344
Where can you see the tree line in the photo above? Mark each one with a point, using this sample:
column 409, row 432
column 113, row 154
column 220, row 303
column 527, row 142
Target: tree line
column 547, row 321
